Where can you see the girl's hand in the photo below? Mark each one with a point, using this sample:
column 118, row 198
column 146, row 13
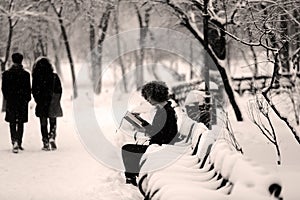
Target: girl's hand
column 139, row 129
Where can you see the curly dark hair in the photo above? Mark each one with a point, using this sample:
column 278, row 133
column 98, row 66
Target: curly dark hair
column 42, row 67
column 157, row 90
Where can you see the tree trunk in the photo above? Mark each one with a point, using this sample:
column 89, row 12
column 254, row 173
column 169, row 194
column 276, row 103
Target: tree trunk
column 296, row 61
column 143, row 25
column 208, row 99
column 7, row 52
column 255, row 71
column 119, row 46
column 191, row 61
column 8, row 45
column 222, row 71
column 67, row 45
column 284, row 52
column 69, row 54
column 140, row 54
column 103, row 27
column 92, row 35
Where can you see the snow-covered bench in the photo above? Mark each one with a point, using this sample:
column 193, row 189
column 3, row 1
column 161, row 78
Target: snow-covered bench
column 201, row 167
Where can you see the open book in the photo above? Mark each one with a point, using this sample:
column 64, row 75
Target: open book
column 135, row 120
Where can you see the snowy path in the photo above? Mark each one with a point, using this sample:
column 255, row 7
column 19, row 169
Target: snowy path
column 162, row 72
column 68, row 173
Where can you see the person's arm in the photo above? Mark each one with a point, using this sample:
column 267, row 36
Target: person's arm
column 27, row 87
column 57, row 85
column 154, row 130
column 35, row 90
column 164, row 126
column 4, row 85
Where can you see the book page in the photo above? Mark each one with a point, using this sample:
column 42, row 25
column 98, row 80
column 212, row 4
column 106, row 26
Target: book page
column 133, row 120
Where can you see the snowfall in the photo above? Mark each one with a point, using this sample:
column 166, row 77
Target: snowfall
column 87, row 164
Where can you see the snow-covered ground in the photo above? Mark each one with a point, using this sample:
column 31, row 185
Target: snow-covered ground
column 68, row 173
column 258, row 148
column 75, row 171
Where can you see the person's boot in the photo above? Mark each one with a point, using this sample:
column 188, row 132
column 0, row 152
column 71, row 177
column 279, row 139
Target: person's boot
column 45, row 138
column 20, row 136
column 52, row 144
column 46, row 146
column 20, row 146
column 52, row 136
column 131, row 180
column 15, row 147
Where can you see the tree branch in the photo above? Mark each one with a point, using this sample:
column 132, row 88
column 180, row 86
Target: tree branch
column 3, row 10
column 265, row 95
column 257, row 44
column 194, row 30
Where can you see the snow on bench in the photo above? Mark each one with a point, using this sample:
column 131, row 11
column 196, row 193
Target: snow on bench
column 201, row 166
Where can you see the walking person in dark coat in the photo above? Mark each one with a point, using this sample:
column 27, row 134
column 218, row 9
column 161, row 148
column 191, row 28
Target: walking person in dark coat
column 16, row 91
column 47, row 91
column 162, row 130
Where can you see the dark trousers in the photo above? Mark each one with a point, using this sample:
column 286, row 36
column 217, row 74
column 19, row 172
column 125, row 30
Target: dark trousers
column 47, row 134
column 132, row 154
column 16, row 132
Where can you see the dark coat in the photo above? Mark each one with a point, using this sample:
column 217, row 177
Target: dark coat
column 16, row 90
column 164, row 125
column 42, row 91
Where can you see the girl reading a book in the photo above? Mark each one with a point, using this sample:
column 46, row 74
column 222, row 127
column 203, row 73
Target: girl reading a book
column 162, row 130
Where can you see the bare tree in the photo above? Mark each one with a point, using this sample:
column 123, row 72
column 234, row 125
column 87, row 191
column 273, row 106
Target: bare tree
column 266, row 93
column 117, row 28
column 13, row 17
column 11, row 26
column 58, row 10
column 264, row 26
column 103, row 27
column 92, row 36
column 189, row 12
column 143, row 19
column 270, row 23
column 259, row 112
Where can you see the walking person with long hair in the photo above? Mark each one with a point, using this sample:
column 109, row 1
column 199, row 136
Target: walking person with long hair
column 47, row 91
column 16, row 91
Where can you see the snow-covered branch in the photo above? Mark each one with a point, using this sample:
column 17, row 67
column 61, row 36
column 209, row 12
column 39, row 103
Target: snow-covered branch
column 3, row 10
column 257, row 44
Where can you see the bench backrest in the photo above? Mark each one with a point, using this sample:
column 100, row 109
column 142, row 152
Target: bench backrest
column 186, row 128
column 239, row 170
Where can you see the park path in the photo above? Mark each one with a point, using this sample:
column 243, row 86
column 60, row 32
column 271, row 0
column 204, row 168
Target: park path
column 68, row 173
